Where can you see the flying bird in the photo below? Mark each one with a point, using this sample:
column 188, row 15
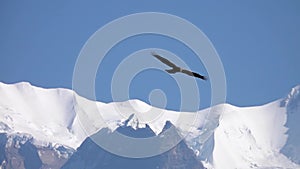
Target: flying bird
column 176, row 69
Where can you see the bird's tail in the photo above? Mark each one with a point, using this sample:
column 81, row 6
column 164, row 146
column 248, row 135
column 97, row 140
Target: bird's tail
column 205, row 78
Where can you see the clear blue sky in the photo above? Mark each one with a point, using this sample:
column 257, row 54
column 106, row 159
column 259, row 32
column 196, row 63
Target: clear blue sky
column 257, row 41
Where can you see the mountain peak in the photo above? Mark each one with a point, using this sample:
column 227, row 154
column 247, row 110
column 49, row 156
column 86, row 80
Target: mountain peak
column 231, row 136
column 133, row 122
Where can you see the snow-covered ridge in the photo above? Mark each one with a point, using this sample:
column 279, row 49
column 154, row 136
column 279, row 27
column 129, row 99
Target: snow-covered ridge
column 51, row 115
column 47, row 114
column 224, row 136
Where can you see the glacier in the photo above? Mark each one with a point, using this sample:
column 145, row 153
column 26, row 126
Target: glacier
column 222, row 137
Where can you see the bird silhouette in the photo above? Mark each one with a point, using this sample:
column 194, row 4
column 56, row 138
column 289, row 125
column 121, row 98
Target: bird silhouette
column 176, row 68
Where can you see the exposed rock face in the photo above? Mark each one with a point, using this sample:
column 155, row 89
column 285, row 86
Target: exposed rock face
column 292, row 104
column 90, row 156
column 19, row 152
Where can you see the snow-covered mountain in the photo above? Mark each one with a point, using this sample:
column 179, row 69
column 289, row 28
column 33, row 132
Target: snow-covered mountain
column 47, row 121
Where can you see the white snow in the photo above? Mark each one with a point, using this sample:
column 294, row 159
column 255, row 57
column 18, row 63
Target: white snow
column 223, row 136
column 46, row 114
column 53, row 115
column 251, row 137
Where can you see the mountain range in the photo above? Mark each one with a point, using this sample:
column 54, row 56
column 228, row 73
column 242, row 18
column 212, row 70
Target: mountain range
column 56, row 128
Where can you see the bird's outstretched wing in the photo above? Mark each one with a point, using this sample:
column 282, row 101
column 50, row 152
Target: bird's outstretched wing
column 164, row 60
column 176, row 68
column 193, row 74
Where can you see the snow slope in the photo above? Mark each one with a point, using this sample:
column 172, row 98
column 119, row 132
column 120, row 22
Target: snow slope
column 223, row 136
column 46, row 114
column 49, row 114
column 251, row 137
